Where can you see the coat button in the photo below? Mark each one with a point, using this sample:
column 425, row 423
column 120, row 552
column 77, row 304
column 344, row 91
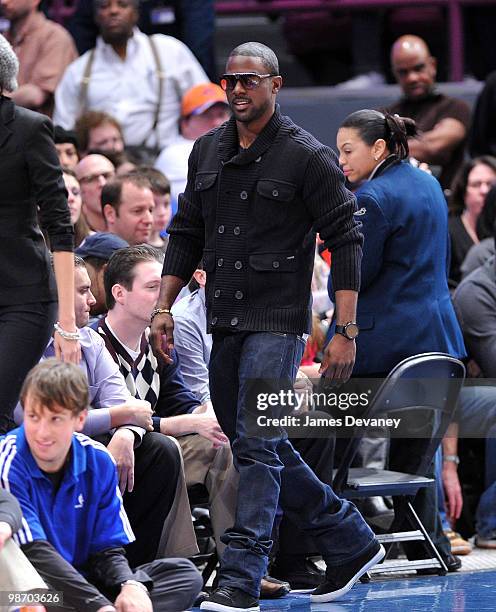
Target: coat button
column 199, row 184
column 234, row 321
column 237, row 230
column 243, row 195
column 275, row 264
column 217, row 293
column 238, row 265
column 238, row 295
column 220, row 262
column 221, row 229
column 259, row 159
column 214, row 320
column 275, row 193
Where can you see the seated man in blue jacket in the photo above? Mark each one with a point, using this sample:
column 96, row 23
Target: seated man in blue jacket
column 74, row 525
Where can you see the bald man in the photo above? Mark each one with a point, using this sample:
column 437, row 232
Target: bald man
column 92, row 172
column 442, row 121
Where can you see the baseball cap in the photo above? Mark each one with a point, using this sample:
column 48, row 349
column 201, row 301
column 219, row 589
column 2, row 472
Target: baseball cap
column 200, row 98
column 101, row 245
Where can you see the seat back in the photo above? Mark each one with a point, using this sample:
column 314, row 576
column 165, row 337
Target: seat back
column 422, row 390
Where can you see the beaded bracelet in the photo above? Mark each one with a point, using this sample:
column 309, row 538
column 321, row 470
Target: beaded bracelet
column 65, row 334
column 157, row 311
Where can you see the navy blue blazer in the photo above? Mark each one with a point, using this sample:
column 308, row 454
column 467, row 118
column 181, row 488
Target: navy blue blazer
column 404, row 306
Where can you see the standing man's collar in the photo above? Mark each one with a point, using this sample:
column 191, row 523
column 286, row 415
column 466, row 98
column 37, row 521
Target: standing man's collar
column 229, row 141
column 7, row 114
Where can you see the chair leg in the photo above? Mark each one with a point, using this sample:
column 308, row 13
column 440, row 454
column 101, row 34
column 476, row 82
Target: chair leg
column 210, row 567
column 443, row 570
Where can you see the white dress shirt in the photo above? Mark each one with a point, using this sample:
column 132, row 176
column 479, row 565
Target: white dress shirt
column 173, row 162
column 128, row 89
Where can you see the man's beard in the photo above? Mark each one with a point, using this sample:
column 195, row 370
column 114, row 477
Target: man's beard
column 116, row 38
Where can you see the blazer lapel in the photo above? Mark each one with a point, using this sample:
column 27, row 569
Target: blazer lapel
column 7, row 112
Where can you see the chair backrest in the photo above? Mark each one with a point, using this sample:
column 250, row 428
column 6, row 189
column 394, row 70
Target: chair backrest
column 422, row 390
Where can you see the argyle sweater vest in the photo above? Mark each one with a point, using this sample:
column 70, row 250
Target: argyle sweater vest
column 141, row 376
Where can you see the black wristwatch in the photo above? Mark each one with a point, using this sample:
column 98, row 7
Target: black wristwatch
column 348, row 330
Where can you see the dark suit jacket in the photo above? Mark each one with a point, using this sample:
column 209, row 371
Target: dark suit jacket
column 404, row 306
column 30, row 179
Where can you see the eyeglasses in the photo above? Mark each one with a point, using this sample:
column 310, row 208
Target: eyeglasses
column 479, row 184
column 249, row 80
column 91, row 178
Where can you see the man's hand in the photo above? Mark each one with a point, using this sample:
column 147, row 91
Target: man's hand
column 339, row 358
column 121, row 448
column 208, row 427
column 452, row 491
column 139, row 413
column 133, row 599
column 303, row 388
column 5, row 533
column 162, row 325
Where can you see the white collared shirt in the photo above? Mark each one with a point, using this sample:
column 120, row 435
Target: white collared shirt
column 128, row 89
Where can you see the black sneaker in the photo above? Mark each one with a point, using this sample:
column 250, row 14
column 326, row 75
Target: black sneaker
column 340, row 579
column 301, row 573
column 230, row 599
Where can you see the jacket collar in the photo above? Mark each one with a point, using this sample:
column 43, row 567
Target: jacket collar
column 391, row 160
column 7, row 113
column 228, row 146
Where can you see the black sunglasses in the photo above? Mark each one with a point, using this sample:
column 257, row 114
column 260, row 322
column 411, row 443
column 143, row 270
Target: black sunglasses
column 248, row 80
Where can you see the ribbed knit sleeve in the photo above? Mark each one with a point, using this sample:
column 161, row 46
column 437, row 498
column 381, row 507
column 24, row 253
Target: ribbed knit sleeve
column 187, row 231
column 334, row 220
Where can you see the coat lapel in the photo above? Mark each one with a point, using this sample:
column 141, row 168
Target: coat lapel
column 7, row 112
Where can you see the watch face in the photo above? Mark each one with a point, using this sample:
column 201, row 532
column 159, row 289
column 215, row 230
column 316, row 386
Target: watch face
column 351, row 330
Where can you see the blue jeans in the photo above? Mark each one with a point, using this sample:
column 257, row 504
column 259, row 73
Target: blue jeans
column 271, row 472
column 476, row 415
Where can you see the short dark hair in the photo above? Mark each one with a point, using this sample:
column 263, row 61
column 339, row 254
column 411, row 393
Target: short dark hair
column 159, row 182
column 121, row 266
column 54, row 382
column 459, row 185
column 98, row 3
column 62, row 136
column 79, row 262
column 112, row 191
column 264, row 53
column 372, row 125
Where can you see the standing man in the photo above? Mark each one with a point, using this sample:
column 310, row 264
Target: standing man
column 259, row 187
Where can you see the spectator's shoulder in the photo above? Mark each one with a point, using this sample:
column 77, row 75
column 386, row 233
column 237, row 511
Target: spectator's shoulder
column 482, row 279
column 90, row 338
column 169, row 43
column 53, row 29
column 97, row 456
column 12, row 460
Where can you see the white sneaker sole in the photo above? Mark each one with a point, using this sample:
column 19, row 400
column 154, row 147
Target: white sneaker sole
column 326, row 597
column 215, row 607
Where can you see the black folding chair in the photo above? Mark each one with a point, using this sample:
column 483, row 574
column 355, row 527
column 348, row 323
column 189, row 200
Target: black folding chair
column 422, row 390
